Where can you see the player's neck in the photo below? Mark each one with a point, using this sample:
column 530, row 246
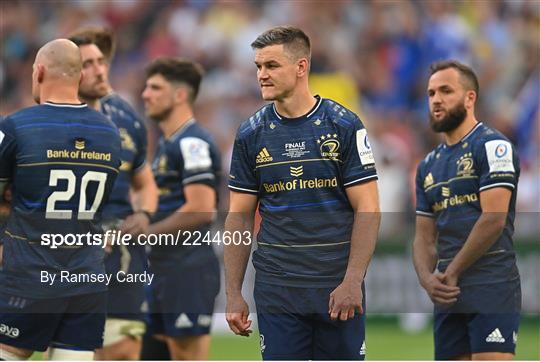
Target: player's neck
column 92, row 103
column 59, row 94
column 176, row 120
column 296, row 105
column 457, row 134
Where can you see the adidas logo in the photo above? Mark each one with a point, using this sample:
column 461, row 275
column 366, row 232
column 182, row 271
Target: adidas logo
column 363, row 349
column 428, row 181
column 183, row 321
column 514, row 337
column 297, row 171
column 264, row 156
column 495, row 337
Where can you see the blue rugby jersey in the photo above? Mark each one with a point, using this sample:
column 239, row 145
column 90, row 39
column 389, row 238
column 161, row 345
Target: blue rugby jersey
column 62, row 160
column 131, row 258
column 133, row 134
column 448, row 185
column 300, row 169
column 187, row 157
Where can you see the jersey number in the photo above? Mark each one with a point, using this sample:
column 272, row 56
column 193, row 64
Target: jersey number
column 83, row 213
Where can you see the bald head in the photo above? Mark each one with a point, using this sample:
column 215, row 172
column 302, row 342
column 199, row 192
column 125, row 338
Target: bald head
column 61, row 58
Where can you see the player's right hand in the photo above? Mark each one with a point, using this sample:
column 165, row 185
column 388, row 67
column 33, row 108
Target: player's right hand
column 439, row 292
column 237, row 316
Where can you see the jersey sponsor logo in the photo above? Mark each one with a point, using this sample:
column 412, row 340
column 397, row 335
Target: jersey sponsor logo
column 80, row 144
column 329, row 146
column 183, row 321
column 196, row 153
column 364, row 147
column 164, row 191
column 300, row 184
column 499, row 156
column 264, row 156
column 428, row 181
column 127, row 141
column 295, row 149
column 465, row 165
column 495, row 337
column 8, row 331
column 455, row 200
column 445, row 191
column 296, row 171
column 79, row 155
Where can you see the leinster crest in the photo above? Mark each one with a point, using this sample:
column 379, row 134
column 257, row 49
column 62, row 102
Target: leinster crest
column 465, row 165
column 329, row 146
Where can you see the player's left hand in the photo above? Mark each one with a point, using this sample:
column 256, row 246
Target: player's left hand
column 345, row 300
column 135, row 224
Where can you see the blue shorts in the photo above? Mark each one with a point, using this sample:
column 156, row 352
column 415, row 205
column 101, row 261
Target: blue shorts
column 294, row 324
column 485, row 319
column 181, row 300
column 125, row 301
column 75, row 322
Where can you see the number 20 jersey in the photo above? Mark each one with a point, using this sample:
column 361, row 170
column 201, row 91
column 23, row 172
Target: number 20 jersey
column 62, row 161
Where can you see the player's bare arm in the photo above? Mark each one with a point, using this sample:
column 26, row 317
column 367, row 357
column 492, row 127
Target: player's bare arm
column 145, row 201
column 425, row 259
column 347, row 297
column 199, row 209
column 240, row 218
column 487, row 229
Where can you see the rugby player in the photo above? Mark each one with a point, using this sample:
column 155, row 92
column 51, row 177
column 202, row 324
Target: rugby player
column 187, row 172
column 308, row 163
column 465, row 209
column 125, row 321
column 62, row 158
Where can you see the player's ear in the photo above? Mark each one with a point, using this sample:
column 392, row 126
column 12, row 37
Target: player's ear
column 40, row 73
column 81, row 78
column 302, row 67
column 470, row 99
column 181, row 95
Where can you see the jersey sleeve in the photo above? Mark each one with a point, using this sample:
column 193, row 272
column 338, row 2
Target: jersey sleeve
column 357, row 155
column 197, row 161
column 7, row 150
column 422, row 206
column 242, row 176
column 498, row 165
column 140, row 157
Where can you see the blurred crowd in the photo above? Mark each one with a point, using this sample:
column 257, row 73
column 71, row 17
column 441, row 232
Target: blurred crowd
column 372, row 56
